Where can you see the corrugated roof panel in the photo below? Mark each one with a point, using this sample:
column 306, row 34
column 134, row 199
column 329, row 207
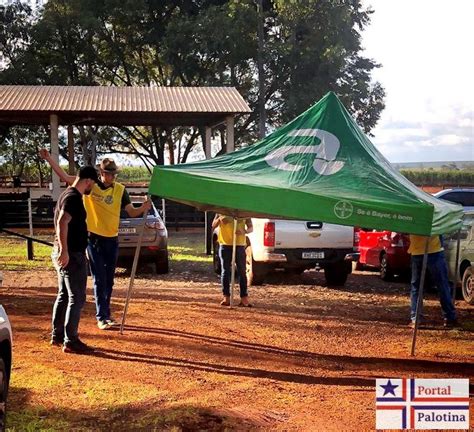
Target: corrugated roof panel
column 122, row 99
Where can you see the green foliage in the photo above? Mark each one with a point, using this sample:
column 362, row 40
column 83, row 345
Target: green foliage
column 440, row 177
column 134, row 175
column 19, row 152
column 15, row 27
column 309, row 48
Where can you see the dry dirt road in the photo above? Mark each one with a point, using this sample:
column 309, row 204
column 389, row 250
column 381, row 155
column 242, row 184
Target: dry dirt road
column 305, row 358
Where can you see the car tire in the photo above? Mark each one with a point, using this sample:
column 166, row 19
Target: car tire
column 468, row 285
column 336, row 273
column 4, row 384
column 162, row 263
column 255, row 271
column 386, row 273
column 216, row 261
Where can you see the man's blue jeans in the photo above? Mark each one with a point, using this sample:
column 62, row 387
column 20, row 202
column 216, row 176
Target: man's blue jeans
column 225, row 254
column 439, row 273
column 72, row 282
column 103, row 252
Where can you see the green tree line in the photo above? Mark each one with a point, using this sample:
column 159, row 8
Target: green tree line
column 420, row 177
column 282, row 56
column 440, row 177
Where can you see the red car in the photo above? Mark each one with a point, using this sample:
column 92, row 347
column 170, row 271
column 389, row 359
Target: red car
column 385, row 250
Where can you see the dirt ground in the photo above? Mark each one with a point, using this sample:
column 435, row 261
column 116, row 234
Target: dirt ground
column 305, row 358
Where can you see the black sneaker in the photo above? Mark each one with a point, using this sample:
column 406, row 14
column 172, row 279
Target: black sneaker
column 449, row 324
column 55, row 341
column 77, row 347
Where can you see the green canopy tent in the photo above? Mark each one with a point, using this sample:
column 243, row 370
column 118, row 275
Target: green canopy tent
column 320, row 166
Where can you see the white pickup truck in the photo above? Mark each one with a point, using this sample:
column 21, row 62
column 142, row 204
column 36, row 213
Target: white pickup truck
column 296, row 246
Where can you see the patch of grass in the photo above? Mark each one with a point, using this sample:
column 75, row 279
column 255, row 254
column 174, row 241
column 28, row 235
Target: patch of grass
column 37, row 378
column 13, row 255
column 34, row 420
column 188, row 248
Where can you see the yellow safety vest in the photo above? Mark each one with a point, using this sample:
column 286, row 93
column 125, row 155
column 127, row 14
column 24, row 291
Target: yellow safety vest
column 417, row 245
column 103, row 210
column 226, row 232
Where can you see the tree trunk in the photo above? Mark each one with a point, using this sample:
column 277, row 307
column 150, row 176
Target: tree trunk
column 169, row 139
column 158, row 145
column 262, row 115
column 93, row 146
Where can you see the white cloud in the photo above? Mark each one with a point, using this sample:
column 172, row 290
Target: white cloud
column 452, row 140
column 425, row 49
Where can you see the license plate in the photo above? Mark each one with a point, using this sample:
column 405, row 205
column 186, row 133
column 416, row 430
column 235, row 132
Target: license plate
column 127, row 230
column 313, row 255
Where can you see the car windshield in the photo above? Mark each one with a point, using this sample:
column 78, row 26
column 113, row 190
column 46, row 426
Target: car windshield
column 465, row 198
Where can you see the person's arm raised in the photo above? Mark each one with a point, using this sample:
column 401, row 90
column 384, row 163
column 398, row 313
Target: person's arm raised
column 69, row 179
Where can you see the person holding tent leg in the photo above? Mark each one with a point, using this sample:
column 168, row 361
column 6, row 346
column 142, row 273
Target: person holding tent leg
column 226, row 241
column 437, row 266
column 103, row 207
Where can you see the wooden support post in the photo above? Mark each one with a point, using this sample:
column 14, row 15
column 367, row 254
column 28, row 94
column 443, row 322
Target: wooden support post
column 30, row 251
column 54, row 124
column 70, row 150
column 207, row 143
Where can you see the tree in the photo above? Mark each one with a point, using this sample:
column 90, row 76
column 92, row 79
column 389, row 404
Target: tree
column 299, row 49
column 15, row 25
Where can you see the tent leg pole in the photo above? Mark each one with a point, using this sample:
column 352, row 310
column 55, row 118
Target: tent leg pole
column 134, row 270
column 419, row 305
column 456, row 267
column 232, row 278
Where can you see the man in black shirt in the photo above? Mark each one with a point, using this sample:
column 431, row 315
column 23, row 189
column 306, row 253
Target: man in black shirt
column 69, row 259
column 103, row 206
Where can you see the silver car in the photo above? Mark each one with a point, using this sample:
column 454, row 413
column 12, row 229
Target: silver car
column 5, row 363
column 154, row 246
column 463, row 196
column 465, row 270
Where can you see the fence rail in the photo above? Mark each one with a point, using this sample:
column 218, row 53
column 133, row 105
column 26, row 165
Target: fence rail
column 14, row 212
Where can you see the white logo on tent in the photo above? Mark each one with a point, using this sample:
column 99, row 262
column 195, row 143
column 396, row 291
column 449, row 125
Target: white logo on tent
column 325, row 152
column 343, row 209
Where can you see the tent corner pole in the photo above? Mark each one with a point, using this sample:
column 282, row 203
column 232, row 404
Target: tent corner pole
column 456, row 266
column 232, row 278
column 134, row 270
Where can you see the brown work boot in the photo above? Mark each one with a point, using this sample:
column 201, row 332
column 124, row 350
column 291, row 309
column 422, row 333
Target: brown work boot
column 225, row 301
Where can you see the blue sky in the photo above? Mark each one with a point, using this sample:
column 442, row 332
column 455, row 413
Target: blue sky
column 426, row 51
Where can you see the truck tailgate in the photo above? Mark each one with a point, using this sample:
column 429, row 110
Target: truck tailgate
column 307, row 234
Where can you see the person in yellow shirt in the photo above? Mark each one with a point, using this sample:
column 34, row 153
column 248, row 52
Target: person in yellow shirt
column 439, row 273
column 103, row 207
column 225, row 239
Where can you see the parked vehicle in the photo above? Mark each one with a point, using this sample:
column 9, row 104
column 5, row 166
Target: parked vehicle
column 5, row 363
column 463, row 196
column 296, row 246
column 388, row 251
column 385, row 250
column 154, row 246
column 465, row 270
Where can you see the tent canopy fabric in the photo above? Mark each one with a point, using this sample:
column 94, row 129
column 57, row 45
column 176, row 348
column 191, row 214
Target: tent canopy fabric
column 320, row 166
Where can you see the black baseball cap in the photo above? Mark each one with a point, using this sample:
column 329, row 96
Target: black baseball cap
column 88, row 172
